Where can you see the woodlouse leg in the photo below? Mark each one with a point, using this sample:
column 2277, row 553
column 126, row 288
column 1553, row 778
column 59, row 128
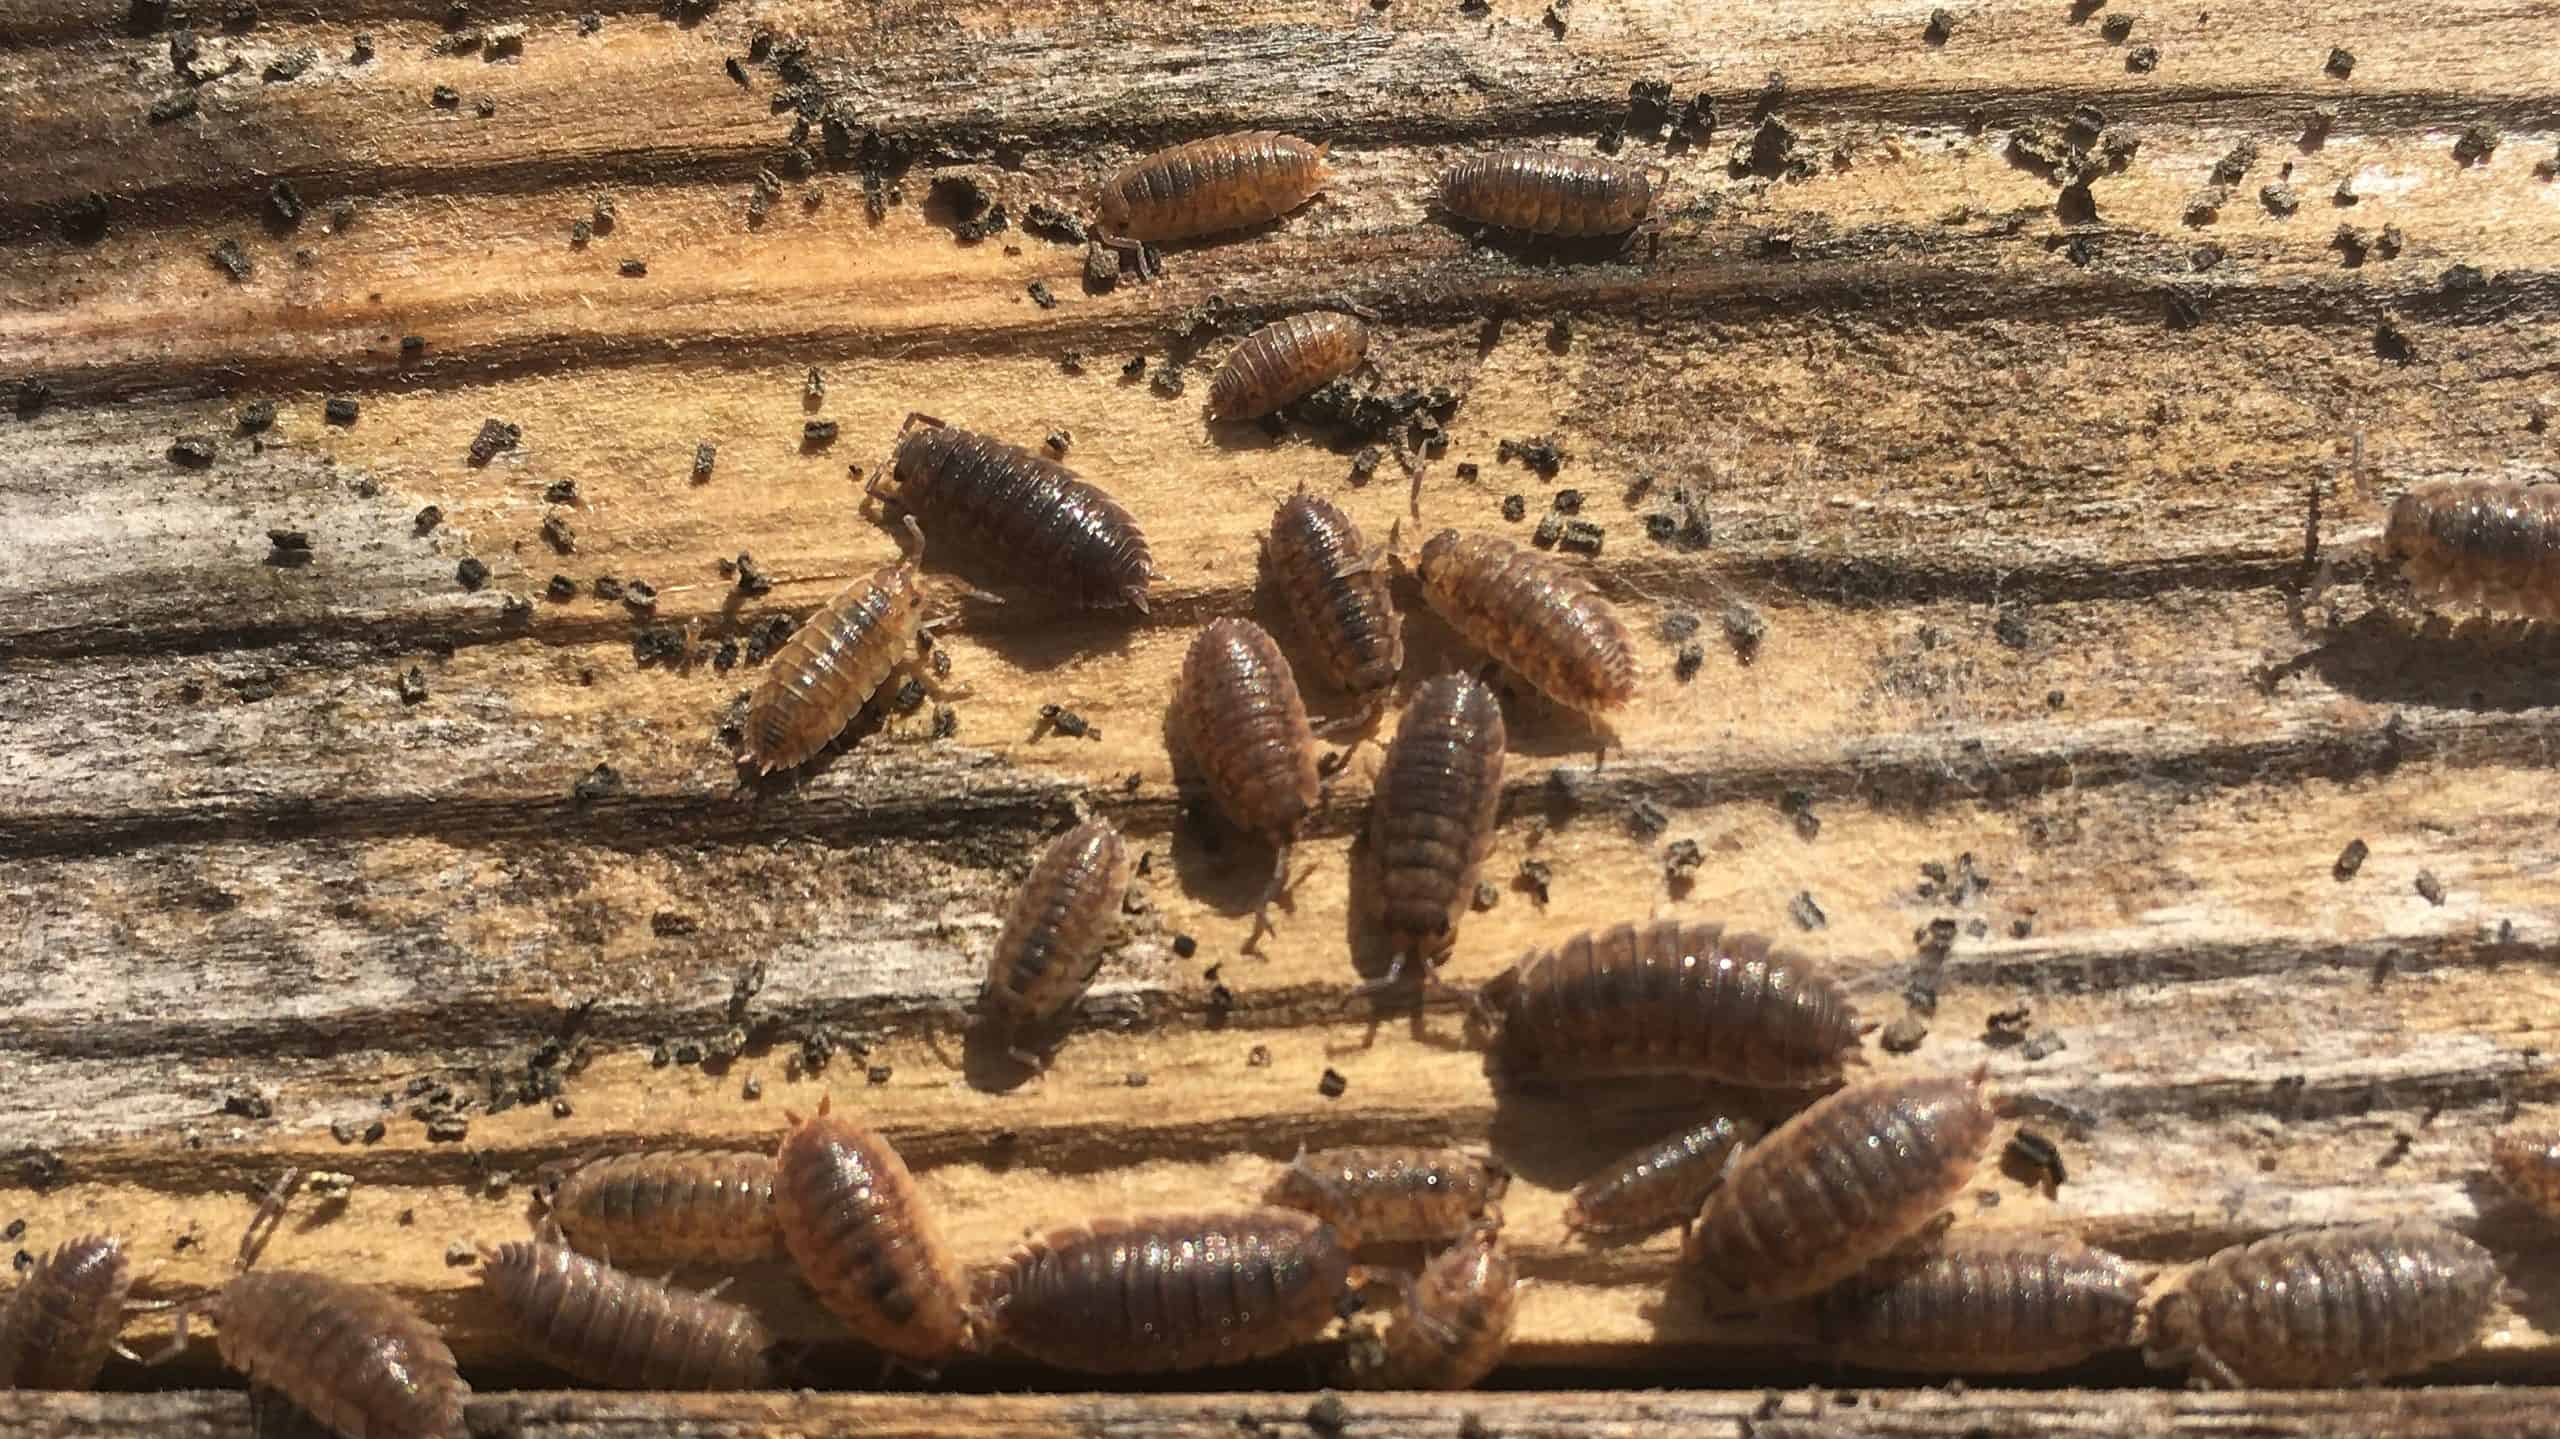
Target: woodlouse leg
column 2211, row 1370
column 1281, row 885
column 178, row 1334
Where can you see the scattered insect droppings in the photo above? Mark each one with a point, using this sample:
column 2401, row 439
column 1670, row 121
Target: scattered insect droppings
column 1208, row 186
column 1985, row 1304
column 1659, row 1183
column 1390, row 1195
column 1544, row 193
column 2320, row 1308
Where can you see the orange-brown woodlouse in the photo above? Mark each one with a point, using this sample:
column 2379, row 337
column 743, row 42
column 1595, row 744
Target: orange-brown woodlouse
column 2493, row 545
column 1385, row 1194
column 59, row 1326
column 835, row 662
column 1455, row 1323
column 1237, row 713
column 1051, row 945
column 354, row 1358
column 864, row 1240
column 1285, row 361
column 585, row 1318
column 2349, row 1304
column 1838, row 1185
column 1168, row 1293
column 1431, row 817
column 680, row 1206
column 2527, row 1157
column 1661, row 1183
column 1542, row 621
column 1338, row 593
column 1211, row 185
column 1984, row 1304
column 1025, row 512
column 1542, row 193
column 1691, row 999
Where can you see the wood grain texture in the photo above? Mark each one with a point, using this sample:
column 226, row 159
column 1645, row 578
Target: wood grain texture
column 2007, row 491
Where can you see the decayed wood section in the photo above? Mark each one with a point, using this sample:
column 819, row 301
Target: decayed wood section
column 2005, row 690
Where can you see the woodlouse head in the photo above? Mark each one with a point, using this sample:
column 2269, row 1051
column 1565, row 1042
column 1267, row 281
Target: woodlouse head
column 2406, row 532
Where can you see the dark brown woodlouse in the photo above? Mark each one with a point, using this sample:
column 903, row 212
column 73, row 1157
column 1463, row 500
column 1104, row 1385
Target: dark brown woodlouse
column 2527, row 1157
column 354, row 1358
column 1431, row 817
column 1984, row 1304
column 2492, row 545
column 1544, row 622
column 1338, row 592
column 605, row 1326
column 864, row 1240
column 1661, row 1183
column 1455, row 1323
column 1168, row 1293
column 61, row 1323
column 1671, row 998
column 1841, row 1183
column 681, row 1206
column 1052, row 941
column 835, row 662
column 1387, row 1194
column 1237, row 714
column 1023, row 512
column 1543, row 193
column 1285, row 361
column 1211, row 185
column 2348, row 1304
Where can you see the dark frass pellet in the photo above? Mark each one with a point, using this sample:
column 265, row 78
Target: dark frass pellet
column 703, row 456
column 471, row 572
column 445, row 97
column 561, row 588
column 1685, row 665
column 2116, row 28
column 1333, row 1084
column 2350, row 860
column 1942, row 25
column 495, row 438
column 2430, row 888
column 195, row 452
column 2142, row 59
column 228, row 257
column 2342, row 63
column 818, row 434
column 339, row 410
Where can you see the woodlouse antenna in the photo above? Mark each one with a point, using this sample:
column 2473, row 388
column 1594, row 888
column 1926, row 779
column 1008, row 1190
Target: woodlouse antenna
column 911, row 541
column 268, row 1218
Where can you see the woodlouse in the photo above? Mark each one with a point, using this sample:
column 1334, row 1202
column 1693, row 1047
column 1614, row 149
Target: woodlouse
column 834, row 663
column 1431, row 817
column 608, row 1327
column 1284, row 361
column 1237, row 713
column 1841, row 1183
column 61, row 1323
column 2528, row 1158
column 1051, row 944
column 1672, row 998
column 1169, row 1293
column 1386, row 1194
column 1025, row 512
column 2350, row 1304
column 680, row 1206
column 1543, row 193
column 862, row 1237
column 1211, row 185
column 1984, row 1304
column 1455, row 1323
column 1544, row 622
column 2489, row 544
column 1337, row 591
column 1661, row 1183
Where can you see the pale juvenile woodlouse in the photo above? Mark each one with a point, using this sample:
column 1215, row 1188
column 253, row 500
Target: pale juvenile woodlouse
column 2349, row 1304
column 1661, row 1183
column 605, row 1326
column 2493, row 545
column 1237, row 714
column 1431, row 817
column 1455, row 1323
column 1984, row 1304
column 1544, row 622
column 1029, row 514
column 680, row 1206
column 836, row 661
column 1285, row 361
column 2527, row 1157
column 1841, row 1183
column 1052, row 941
column 1211, row 185
column 1543, row 193
column 60, row 1325
column 862, row 1237
column 1671, row 998
column 1169, row 1293
column 1388, row 1194
column 1338, row 592
column 354, row 1358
